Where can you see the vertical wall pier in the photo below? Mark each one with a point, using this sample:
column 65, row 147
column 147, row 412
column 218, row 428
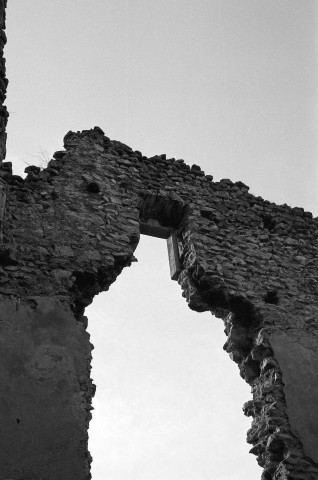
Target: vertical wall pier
column 45, row 395
column 3, row 82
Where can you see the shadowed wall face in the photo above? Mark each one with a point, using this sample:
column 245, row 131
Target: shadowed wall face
column 45, row 366
column 3, row 82
column 69, row 230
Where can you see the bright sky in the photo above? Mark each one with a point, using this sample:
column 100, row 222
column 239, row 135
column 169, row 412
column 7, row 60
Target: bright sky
column 230, row 85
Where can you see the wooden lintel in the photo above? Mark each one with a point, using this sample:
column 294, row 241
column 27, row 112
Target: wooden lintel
column 173, row 253
column 154, row 229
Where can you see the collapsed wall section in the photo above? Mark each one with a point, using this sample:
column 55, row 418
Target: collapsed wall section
column 70, row 229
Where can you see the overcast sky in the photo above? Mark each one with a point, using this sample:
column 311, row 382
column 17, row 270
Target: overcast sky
column 230, row 85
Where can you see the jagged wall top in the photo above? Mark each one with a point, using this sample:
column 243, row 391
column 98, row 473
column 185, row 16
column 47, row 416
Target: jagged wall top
column 83, row 214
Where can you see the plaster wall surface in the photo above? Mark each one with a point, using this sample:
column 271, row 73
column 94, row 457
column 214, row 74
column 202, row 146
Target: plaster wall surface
column 44, row 365
column 298, row 358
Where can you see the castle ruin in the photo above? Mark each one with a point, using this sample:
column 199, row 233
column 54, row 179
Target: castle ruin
column 68, row 231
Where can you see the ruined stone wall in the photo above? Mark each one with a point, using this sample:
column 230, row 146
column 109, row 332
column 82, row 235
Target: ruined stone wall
column 66, row 234
column 70, row 229
column 3, row 82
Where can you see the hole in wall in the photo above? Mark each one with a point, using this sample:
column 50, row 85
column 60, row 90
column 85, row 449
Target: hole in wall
column 169, row 400
column 212, row 215
column 268, row 222
column 93, row 187
column 271, row 297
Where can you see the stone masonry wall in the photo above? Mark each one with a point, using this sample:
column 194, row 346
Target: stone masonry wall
column 3, row 82
column 66, row 234
column 70, row 229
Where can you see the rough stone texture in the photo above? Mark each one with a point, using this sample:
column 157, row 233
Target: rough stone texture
column 70, row 229
column 3, row 82
column 66, row 234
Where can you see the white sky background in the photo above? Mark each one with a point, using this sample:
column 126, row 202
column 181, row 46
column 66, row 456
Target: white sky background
column 230, row 85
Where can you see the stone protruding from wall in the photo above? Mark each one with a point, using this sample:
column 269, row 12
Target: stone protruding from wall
column 70, row 229
column 3, row 82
